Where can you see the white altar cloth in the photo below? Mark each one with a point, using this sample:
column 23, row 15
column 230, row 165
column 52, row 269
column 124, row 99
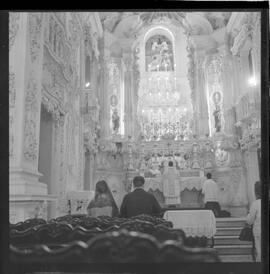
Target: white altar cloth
column 184, row 183
column 193, row 222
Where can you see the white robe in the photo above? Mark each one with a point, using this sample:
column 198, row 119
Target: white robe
column 171, row 189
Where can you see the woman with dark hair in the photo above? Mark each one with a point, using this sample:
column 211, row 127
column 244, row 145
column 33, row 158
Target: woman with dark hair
column 254, row 218
column 103, row 203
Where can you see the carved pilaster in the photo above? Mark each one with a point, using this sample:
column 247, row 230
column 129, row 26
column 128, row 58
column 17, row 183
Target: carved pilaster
column 201, row 108
column 128, row 83
column 12, row 101
column 14, row 18
column 25, row 101
column 103, row 96
column 30, row 147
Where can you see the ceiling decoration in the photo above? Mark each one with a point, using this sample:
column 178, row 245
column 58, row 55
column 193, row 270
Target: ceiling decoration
column 149, row 17
column 218, row 19
column 128, row 24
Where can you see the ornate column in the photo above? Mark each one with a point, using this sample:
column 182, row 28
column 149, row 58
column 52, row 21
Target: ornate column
column 129, row 96
column 103, row 93
column 228, row 87
column 200, row 95
column 250, row 143
column 25, row 58
column 136, row 79
column 28, row 197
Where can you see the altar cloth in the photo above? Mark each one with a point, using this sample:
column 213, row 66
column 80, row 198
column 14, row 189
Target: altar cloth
column 193, row 222
column 184, row 183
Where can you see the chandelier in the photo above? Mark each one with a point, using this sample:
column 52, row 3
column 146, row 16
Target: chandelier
column 162, row 114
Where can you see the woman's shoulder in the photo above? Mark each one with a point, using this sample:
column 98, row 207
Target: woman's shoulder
column 256, row 203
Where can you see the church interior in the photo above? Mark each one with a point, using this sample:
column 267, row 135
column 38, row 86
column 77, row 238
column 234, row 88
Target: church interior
column 112, row 95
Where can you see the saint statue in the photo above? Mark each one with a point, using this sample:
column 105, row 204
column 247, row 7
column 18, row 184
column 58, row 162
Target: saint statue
column 115, row 120
column 171, row 188
column 217, row 116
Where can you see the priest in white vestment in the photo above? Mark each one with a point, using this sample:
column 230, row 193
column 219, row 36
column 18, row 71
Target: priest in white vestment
column 171, row 189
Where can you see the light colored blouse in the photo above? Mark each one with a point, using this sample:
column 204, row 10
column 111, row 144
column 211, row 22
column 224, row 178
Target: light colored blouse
column 210, row 191
column 254, row 216
column 100, row 211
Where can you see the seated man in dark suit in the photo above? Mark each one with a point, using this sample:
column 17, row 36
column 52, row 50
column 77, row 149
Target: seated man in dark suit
column 139, row 201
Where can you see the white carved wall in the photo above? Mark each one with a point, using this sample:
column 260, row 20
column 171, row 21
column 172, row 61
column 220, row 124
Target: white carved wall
column 51, row 46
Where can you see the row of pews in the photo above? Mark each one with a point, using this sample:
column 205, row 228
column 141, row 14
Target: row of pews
column 83, row 239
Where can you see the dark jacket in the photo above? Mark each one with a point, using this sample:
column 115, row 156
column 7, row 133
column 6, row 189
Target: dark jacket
column 139, row 202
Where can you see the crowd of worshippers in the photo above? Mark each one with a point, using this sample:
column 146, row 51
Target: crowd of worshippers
column 140, row 201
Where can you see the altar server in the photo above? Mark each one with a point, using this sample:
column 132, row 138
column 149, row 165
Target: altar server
column 210, row 192
column 139, row 201
column 254, row 218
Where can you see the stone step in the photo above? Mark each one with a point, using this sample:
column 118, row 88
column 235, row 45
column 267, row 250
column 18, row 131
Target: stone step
column 234, row 249
column 230, row 222
column 228, row 231
column 229, row 240
column 236, row 258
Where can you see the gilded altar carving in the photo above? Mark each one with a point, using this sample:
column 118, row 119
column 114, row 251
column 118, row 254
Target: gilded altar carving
column 13, row 27
column 30, row 149
column 35, row 25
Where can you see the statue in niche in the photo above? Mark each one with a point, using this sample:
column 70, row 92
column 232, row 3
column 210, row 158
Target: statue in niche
column 216, row 98
column 114, row 100
column 115, row 121
column 217, row 117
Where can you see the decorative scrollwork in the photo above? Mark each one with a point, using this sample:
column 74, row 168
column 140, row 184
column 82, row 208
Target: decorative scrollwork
column 35, row 26
column 30, row 149
column 13, row 27
column 12, row 99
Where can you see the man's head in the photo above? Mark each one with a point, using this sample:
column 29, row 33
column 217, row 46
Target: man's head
column 208, row 175
column 138, row 181
column 170, row 164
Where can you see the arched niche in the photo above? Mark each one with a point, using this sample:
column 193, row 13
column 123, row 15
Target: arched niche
column 151, row 32
column 159, row 53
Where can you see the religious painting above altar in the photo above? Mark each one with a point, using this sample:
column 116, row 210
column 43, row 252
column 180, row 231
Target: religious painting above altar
column 159, row 54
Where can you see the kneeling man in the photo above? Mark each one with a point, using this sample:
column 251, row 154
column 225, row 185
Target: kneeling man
column 210, row 191
column 139, row 201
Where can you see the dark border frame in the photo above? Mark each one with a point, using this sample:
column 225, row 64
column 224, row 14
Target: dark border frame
column 145, row 268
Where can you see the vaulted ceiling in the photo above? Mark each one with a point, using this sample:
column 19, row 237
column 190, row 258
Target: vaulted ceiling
column 127, row 24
